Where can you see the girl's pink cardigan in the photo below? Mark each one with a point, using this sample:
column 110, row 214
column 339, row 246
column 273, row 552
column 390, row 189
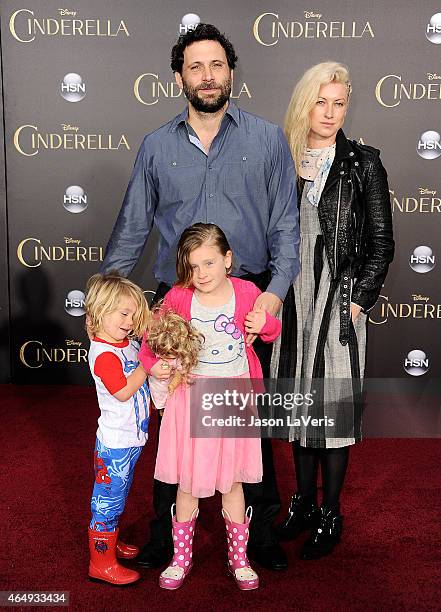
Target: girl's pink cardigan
column 179, row 299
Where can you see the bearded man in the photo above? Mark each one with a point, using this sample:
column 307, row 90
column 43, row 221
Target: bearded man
column 214, row 163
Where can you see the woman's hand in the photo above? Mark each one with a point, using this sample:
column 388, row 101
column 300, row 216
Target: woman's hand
column 355, row 311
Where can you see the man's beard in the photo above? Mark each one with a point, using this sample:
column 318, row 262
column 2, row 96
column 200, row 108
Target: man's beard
column 208, row 105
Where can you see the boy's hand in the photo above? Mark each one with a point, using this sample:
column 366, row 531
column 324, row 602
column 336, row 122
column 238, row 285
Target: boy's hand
column 88, row 324
column 255, row 321
column 161, row 370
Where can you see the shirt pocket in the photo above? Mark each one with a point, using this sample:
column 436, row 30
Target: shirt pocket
column 244, row 174
column 179, row 180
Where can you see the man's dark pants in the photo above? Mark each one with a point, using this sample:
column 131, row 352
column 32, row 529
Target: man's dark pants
column 263, row 496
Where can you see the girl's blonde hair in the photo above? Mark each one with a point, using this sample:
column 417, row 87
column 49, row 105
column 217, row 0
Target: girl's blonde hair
column 171, row 336
column 103, row 294
column 192, row 238
column 303, row 99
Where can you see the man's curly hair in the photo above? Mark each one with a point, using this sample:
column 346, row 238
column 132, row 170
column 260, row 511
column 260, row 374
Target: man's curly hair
column 203, row 31
column 169, row 335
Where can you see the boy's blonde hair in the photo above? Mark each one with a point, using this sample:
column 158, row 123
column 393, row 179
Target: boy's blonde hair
column 169, row 335
column 103, row 294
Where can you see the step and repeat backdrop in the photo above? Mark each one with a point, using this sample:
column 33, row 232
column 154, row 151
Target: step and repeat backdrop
column 85, row 81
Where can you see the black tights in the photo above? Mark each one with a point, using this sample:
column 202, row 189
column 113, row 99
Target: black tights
column 333, row 463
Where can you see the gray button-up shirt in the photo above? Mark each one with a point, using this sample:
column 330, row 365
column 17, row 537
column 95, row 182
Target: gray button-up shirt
column 245, row 184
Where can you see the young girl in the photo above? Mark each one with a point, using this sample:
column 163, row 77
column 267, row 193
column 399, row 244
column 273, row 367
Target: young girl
column 220, row 308
column 116, row 309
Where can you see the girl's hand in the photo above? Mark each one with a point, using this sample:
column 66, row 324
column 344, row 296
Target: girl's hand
column 266, row 301
column 161, row 370
column 255, row 321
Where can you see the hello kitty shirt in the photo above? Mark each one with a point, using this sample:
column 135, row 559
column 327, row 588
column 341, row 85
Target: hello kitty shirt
column 223, row 351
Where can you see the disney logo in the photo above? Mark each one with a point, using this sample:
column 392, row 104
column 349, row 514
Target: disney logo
column 425, row 191
column 66, row 12
column 419, row 298
column 312, row 15
column 433, row 76
column 69, row 128
column 69, row 240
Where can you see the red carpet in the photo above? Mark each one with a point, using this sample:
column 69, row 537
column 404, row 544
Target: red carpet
column 389, row 557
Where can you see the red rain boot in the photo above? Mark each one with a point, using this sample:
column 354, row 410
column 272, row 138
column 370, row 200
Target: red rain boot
column 126, row 551
column 103, row 564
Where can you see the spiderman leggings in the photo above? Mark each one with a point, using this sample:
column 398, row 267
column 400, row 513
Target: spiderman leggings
column 114, row 469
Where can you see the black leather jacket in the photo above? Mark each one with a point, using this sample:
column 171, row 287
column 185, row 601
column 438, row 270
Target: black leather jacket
column 356, row 221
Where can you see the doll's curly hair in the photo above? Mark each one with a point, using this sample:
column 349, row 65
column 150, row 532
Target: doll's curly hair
column 169, row 335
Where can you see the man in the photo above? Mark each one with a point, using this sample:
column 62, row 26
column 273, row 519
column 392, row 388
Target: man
column 214, row 163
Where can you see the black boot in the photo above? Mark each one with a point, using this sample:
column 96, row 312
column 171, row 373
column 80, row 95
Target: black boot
column 303, row 514
column 154, row 555
column 325, row 536
column 270, row 556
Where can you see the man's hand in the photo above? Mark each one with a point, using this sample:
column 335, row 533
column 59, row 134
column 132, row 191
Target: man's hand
column 161, row 370
column 355, row 311
column 269, row 302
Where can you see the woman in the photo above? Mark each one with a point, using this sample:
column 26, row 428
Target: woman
column 346, row 248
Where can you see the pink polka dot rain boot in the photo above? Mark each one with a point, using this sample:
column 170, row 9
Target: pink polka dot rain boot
column 181, row 564
column 237, row 540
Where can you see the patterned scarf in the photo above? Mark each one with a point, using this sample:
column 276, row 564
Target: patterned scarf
column 316, row 164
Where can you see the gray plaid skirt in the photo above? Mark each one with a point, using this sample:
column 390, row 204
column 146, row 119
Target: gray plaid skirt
column 309, row 351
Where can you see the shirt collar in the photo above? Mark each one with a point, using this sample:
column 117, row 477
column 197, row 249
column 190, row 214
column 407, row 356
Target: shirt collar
column 121, row 344
column 232, row 111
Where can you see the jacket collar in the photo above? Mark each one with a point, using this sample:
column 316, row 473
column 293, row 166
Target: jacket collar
column 343, row 147
column 343, row 150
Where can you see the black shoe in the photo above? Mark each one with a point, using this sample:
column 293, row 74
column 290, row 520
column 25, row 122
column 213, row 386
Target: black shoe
column 325, row 536
column 152, row 556
column 271, row 557
column 303, row 514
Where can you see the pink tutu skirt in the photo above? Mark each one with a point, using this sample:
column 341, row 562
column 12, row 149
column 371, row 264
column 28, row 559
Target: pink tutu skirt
column 200, row 466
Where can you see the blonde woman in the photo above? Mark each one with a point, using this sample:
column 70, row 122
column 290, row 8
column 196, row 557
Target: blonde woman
column 346, row 248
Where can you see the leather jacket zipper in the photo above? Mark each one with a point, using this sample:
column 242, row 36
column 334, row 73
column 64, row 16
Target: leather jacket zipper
column 336, row 226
